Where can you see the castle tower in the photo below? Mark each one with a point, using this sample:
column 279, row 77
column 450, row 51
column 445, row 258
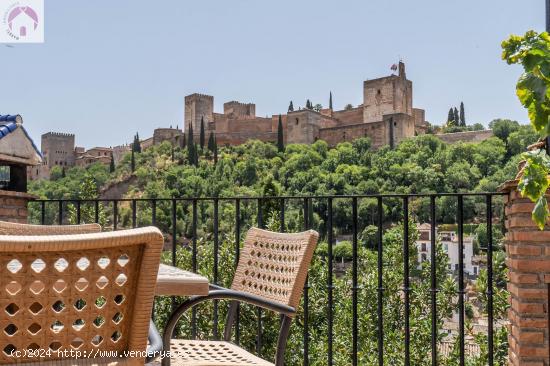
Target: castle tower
column 239, row 110
column 58, row 149
column 387, row 95
column 198, row 106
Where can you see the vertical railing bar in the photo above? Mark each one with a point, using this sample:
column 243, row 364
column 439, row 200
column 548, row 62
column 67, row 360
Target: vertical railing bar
column 174, row 244
column 306, row 293
column 43, row 212
column 174, row 232
column 461, row 278
column 433, row 278
column 237, row 258
column 258, row 309
column 380, row 263
column 330, row 240
column 216, row 260
column 489, row 209
column 406, row 279
column 153, row 222
column 282, row 215
column 154, row 212
column 60, row 213
column 115, row 214
column 134, row 213
column 354, row 283
column 194, row 264
column 78, row 213
column 96, row 211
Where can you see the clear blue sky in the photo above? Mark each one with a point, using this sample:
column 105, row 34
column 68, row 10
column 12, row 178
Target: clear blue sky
column 111, row 68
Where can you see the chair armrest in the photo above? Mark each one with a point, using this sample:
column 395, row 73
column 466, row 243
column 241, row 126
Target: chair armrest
column 219, row 293
column 154, row 348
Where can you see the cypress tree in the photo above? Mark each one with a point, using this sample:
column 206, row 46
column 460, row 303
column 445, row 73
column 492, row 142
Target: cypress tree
column 202, row 134
column 291, row 107
column 280, row 138
column 191, row 153
column 112, row 165
column 183, row 141
column 215, row 151
column 190, row 135
column 462, row 115
column 308, row 104
column 330, row 101
column 137, row 143
column 63, row 172
column 133, row 161
column 450, row 117
column 211, row 141
column 196, row 155
column 456, row 118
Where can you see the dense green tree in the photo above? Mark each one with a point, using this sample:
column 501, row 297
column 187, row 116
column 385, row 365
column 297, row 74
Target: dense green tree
column 330, row 101
column 502, row 128
column 112, row 164
column 280, row 137
column 520, row 139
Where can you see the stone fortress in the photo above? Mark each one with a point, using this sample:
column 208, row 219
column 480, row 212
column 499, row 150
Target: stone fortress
column 59, row 149
column 386, row 116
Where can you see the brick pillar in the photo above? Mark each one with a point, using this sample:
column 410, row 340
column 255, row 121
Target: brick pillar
column 13, row 206
column 528, row 261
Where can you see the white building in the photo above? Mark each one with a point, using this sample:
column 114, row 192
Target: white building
column 449, row 241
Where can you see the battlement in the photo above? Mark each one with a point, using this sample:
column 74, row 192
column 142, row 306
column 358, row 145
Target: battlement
column 198, row 96
column 58, row 134
column 238, row 109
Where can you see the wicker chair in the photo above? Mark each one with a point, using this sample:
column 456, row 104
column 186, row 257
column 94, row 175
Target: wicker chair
column 10, row 228
column 271, row 274
column 86, row 293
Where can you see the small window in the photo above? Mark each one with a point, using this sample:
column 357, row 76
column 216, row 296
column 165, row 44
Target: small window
column 297, row 121
column 379, row 92
column 4, row 176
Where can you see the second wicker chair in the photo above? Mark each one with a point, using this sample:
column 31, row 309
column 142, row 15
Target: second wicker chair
column 271, row 274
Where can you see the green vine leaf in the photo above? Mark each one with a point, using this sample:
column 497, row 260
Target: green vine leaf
column 532, row 51
column 540, row 212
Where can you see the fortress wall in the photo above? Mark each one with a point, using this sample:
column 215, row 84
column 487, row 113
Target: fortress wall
column 258, row 124
column 349, row 117
column 376, row 131
column 469, row 136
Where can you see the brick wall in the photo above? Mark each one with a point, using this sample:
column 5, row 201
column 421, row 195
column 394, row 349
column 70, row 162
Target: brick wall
column 528, row 261
column 13, row 206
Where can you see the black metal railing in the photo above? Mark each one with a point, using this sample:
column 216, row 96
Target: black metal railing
column 305, row 208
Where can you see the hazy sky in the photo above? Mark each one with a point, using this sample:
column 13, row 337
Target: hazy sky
column 111, row 68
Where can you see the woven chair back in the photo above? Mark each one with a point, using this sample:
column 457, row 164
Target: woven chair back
column 85, row 293
column 274, row 265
